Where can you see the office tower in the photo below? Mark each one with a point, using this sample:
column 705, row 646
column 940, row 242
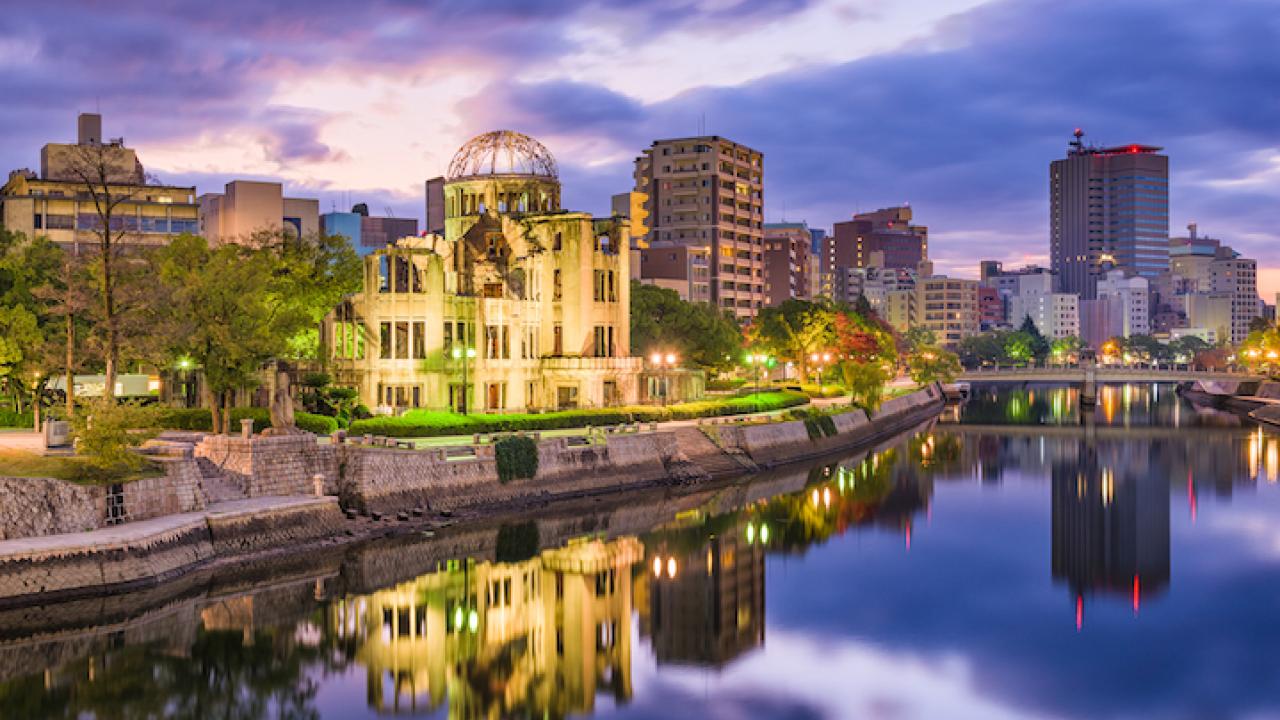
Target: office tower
column 1107, row 204
column 709, row 191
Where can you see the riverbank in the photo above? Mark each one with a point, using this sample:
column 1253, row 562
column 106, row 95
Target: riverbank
column 300, row 495
column 1258, row 401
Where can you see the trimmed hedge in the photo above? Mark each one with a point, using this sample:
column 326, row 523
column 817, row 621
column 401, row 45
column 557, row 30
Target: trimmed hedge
column 201, row 419
column 11, row 419
column 431, row 423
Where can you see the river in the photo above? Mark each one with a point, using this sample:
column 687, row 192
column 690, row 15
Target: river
column 1014, row 559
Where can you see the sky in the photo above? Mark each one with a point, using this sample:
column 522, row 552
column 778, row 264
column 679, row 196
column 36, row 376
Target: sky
column 955, row 106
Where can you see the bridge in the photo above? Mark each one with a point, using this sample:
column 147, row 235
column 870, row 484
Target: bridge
column 1103, row 374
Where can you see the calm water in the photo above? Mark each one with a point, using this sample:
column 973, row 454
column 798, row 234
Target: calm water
column 1014, row 560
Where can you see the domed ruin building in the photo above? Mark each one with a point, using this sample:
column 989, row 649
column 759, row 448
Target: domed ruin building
column 519, row 305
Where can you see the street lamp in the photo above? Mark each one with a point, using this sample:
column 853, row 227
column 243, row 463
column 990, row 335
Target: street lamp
column 664, row 363
column 465, row 356
column 758, row 361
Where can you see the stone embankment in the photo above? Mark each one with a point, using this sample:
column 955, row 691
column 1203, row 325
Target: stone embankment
column 1257, row 400
column 224, row 497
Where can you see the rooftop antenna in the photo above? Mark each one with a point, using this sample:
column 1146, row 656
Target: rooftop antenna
column 1077, row 145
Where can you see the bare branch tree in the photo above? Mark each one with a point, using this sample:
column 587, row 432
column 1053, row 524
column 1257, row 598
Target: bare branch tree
column 98, row 171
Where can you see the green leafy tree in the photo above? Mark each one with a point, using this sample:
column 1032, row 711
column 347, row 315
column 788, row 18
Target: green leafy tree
column 1066, row 349
column 702, row 334
column 1019, row 347
column 30, row 275
column 1038, row 346
column 1146, row 348
column 933, row 364
column 865, row 382
column 234, row 309
column 795, row 330
column 107, row 433
column 984, row 349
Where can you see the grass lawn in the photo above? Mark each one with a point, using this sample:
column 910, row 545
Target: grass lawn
column 20, row 463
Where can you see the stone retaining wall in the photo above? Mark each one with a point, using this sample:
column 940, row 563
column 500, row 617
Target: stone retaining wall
column 773, row 444
column 32, row 507
column 389, row 480
column 175, row 492
column 263, row 466
column 152, row 551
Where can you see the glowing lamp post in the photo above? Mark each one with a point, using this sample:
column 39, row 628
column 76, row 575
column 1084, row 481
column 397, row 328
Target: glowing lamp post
column 822, row 361
column 758, row 361
column 665, row 363
column 465, row 356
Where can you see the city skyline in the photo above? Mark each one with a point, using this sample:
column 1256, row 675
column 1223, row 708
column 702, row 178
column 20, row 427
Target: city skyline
column 949, row 106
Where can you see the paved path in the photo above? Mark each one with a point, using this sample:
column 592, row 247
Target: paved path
column 25, row 440
column 135, row 533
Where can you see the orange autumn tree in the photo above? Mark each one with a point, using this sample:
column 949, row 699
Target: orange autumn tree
column 867, row 355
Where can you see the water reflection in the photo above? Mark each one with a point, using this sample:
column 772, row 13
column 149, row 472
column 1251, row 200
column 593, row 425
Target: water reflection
column 544, row 634
column 970, row 544
column 1134, row 405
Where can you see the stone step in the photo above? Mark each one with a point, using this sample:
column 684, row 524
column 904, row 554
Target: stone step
column 708, row 456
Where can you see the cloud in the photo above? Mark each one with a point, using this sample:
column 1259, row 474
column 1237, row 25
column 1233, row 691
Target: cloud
column 956, row 107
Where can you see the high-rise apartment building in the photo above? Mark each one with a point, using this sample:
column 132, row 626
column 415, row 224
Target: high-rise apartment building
column 786, row 262
column 948, row 307
column 709, row 191
column 885, row 238
column 1107, row 204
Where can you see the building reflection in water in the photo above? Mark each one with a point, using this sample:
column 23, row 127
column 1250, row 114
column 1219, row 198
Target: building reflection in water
column 705, row 600
column 1110, row 524
column 539, row 636
column 1129, row 405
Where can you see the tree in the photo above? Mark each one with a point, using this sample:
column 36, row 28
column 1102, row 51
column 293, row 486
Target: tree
column 1066, row 349
column 702, row 334
column 234, row 309
column 984, row 349
column 29, row 274
column 866, row 383
column 99, row 173
column 1146, row 349
column 1038, row 346
column 795, row 330
column 933, row 364
column 1186, row 348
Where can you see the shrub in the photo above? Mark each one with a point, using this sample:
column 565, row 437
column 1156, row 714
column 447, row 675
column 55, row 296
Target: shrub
column 11, row 419
column 431, row 423
column 106, row 434
column 725, row 383
column 201, row 419
column 517, row 457
column 819, row 426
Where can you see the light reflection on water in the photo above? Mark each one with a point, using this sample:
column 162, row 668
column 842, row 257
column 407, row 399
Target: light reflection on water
column 1028, row 561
